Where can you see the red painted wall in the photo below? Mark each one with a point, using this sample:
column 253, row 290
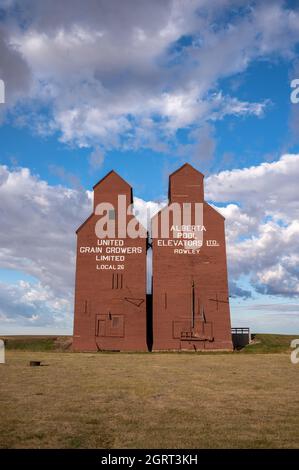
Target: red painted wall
column 190, row 290
column 110, row 304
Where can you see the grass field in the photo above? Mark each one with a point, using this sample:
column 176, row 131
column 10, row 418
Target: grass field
column 155, row 400
column 262, row 343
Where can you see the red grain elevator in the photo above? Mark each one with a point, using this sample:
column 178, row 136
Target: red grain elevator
column 190, row 285
column 110, row 289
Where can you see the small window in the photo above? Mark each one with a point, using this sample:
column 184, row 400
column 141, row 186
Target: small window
column 111, row 214
column 115, row 322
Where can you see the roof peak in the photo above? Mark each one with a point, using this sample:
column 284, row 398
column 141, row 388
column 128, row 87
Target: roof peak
column 111, row 172
column 186, row 165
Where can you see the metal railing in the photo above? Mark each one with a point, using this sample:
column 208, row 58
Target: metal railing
column 240, row 331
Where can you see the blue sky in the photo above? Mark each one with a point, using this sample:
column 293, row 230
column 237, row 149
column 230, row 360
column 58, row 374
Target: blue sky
column 142, row 88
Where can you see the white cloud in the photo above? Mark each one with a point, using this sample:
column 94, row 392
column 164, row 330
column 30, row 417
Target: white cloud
column 262, row 228
column 108, row 69
column 14, row 70
column 38, row 224
column 268, row 188
column 24, row 303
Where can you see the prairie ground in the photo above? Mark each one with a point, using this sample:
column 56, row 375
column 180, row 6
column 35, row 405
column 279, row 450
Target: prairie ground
column 151, row 400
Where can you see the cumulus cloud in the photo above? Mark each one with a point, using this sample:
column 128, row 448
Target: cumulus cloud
column 37, row 237
column 272, row 183
column 14, row 73
column 262, row 209
column 25, row 304
column 126, row 74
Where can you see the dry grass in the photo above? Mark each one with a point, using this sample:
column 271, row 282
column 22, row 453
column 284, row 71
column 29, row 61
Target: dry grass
column 149, row 401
